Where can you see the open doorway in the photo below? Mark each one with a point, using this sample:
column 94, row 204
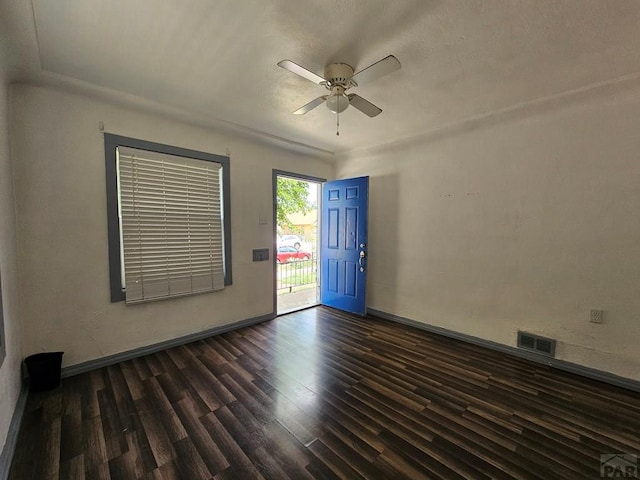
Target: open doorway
column 297, row 222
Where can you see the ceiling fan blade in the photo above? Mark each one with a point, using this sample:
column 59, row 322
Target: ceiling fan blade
column 386, row 65
column 311, row 105
column 365, row 106
column 301, row 71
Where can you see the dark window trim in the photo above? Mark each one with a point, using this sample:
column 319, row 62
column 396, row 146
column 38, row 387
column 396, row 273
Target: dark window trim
column 111, row 142
column 3, row 349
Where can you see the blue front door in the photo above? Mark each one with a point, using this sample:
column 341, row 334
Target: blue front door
column 343, row 244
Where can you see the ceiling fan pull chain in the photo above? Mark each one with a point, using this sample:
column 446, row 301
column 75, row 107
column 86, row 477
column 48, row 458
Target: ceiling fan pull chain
column 337, row 123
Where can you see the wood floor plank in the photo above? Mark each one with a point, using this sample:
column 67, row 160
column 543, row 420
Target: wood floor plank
column 199, row 378
column 132, row 379
column 72, row 469
column 70, row 437
column 173, row 385
column 391, row 460
column 240, row 465
column 95, row 450
column 344, row 447
column 333, row 462
column 112, row 429
column 50, row 456
column 124, row 403
column 189, row 462
column 138, row 441
column 365, row 443
column 98, row 472
column 165, row 411
column 180, row 355
column 270, row 468
column 126, row 466
column 168, row 365
column 292, row 456
column 209, row 450
column 159, row 441
column 430, row 458
column 322, row 394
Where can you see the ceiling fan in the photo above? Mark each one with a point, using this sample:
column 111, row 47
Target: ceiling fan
column 338, row 79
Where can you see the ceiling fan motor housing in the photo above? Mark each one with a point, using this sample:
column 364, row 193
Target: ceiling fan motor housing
column 339, row 74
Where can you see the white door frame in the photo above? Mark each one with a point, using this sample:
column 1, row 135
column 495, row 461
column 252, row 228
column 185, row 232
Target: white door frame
column 274, row 247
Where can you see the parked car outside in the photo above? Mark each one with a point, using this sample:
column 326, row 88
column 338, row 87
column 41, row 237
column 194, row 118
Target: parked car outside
column 287, row 254
column 290, row 241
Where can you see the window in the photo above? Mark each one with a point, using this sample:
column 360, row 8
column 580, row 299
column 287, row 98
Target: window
column 168, row 214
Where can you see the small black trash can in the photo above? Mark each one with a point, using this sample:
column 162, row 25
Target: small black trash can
column 44, row 370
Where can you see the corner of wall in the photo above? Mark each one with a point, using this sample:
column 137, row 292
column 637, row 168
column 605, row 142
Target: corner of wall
column 10, row 370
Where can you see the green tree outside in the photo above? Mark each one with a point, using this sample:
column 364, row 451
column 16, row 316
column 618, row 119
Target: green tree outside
column 292, row 197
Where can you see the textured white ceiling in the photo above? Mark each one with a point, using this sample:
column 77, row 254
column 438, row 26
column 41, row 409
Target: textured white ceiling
column 217, row 59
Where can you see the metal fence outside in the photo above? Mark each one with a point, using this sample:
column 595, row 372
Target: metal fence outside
column 296, row 274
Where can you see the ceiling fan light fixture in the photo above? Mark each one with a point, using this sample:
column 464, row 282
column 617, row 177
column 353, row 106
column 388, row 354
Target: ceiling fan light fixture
column 337, row 103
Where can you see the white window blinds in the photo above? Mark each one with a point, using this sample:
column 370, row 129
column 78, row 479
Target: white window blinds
column 171, row 225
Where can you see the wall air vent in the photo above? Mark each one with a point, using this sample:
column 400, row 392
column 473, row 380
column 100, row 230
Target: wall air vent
column 535, row 343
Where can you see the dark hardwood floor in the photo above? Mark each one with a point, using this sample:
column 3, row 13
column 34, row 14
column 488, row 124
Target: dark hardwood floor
column 322, row 394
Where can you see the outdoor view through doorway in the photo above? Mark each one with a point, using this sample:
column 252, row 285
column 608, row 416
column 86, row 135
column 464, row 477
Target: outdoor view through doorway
column 297, row 229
